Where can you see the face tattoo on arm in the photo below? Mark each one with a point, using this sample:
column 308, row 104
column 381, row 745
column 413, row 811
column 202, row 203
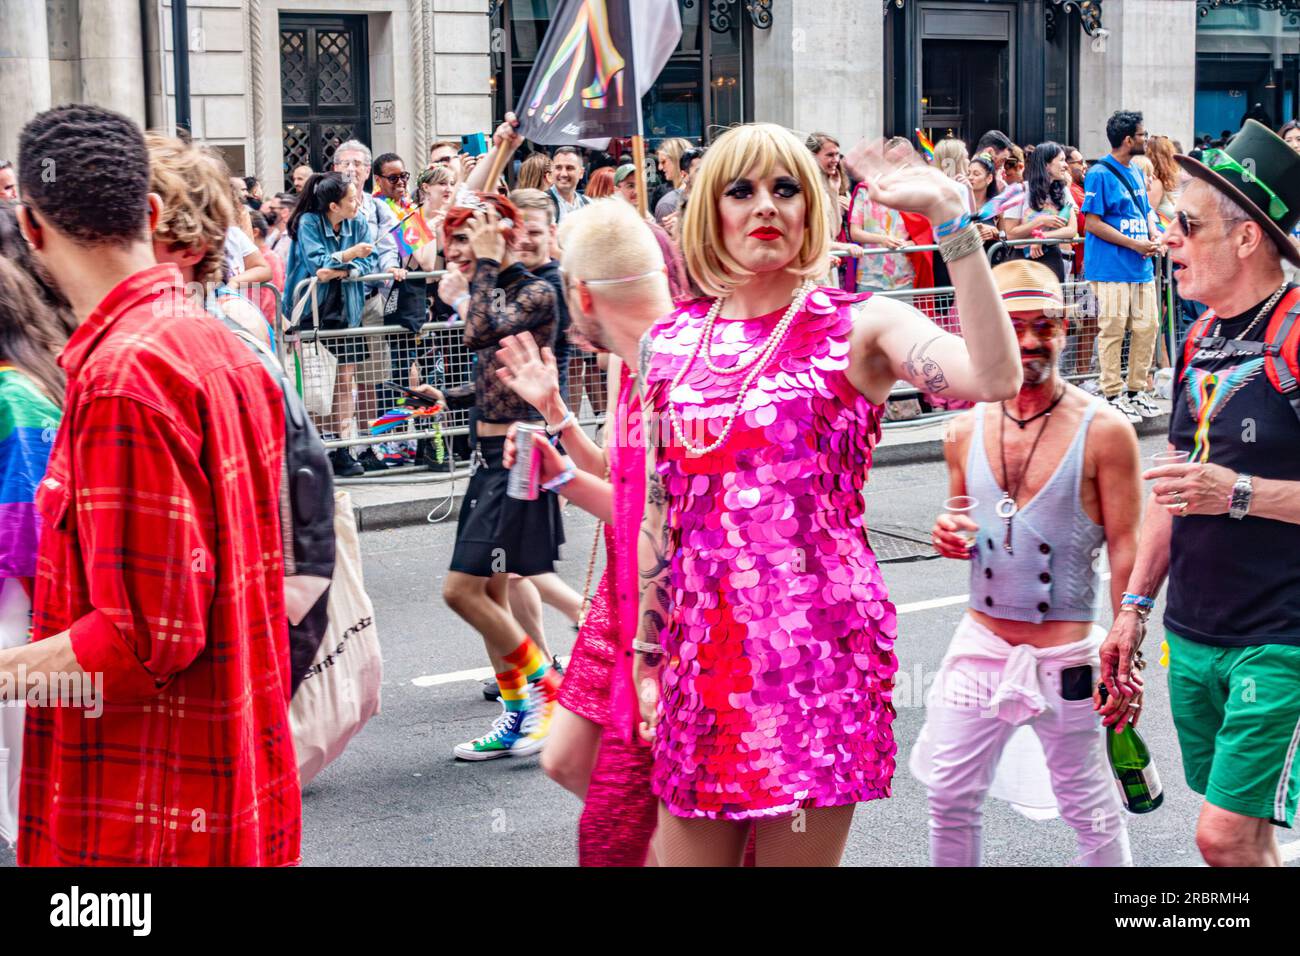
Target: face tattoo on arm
column 922, row 370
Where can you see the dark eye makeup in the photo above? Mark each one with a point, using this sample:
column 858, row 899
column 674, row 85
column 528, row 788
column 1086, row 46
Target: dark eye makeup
column 785, row 187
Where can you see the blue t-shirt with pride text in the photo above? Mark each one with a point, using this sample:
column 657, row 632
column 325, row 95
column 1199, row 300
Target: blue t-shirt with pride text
column 1105, row 196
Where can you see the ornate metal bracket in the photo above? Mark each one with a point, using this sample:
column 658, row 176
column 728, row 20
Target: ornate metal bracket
column 1089, row 11
column 721, row 13
column 1290, row 9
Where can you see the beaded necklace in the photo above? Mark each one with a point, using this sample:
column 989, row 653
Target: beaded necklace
column 755, row 363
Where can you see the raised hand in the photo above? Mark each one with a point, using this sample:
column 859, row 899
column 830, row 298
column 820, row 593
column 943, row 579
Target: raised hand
column 898, row 178
column 485, row 236
column 532, row 375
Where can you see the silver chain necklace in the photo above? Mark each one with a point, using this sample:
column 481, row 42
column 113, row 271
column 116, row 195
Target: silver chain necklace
column 1265, row 309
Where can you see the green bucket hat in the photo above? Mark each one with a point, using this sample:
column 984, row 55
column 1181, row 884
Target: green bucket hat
column 1260, row 173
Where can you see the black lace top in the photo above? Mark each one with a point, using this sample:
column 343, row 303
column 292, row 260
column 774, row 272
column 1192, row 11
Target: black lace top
column 502, row 302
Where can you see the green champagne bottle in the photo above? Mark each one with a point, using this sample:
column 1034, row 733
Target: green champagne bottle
column 1134, row 771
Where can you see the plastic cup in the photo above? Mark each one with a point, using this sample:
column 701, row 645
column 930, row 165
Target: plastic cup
column 1162, row 458
column 963, row 505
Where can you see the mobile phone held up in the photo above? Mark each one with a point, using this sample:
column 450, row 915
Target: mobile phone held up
column 474, row 144
column 412, row 396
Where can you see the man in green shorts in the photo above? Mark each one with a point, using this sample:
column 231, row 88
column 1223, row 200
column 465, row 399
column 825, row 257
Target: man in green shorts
column 1224, row 525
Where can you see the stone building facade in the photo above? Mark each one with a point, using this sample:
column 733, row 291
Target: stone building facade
column 274, row 82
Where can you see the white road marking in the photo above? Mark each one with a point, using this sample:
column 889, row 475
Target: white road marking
column 483, row 673
column 1290, row 851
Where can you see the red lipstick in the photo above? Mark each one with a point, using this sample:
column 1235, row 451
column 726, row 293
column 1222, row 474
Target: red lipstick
column 766, row 233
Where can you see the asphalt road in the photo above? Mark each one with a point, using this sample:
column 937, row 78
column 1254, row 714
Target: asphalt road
column 397, row 797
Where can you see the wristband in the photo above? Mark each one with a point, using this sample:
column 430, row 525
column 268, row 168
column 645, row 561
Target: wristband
column 945, row 229
column 559, row 481
column 646, row 647
column 459, row 299
column 568, row 419
column 1138, row 599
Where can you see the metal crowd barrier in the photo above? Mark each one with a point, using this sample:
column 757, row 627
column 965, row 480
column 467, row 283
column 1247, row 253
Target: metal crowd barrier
column 436, row 355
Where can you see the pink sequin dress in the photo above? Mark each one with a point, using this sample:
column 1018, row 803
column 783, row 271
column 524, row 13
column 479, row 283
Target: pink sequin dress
column 776, row 691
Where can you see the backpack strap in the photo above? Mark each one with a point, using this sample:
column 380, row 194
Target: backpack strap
column 1282, row 355
column 1195, row 333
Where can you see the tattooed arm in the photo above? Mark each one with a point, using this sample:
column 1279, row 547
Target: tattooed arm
column 654, row 556
column 892, row 341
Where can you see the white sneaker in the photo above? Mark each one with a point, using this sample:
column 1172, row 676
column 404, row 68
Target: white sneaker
column 1144, row 405
column 507, row 738
column 1122, row 405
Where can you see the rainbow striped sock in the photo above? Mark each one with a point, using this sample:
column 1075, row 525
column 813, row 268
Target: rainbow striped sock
column 514, row 689
column 528, row 660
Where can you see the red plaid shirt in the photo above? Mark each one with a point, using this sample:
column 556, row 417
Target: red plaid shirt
column 161, row 553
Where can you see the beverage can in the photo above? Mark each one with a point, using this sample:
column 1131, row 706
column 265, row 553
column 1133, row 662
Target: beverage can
column 525, row 474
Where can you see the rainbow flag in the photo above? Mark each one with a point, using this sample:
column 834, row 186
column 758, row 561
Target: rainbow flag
column 411, row 233
column 927, row 147
column 1165, row 221
column 999, row 204
column 394, row 417
column 28, row 422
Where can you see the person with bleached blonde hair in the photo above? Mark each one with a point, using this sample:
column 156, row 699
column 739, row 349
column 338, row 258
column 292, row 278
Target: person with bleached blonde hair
column 764, row 652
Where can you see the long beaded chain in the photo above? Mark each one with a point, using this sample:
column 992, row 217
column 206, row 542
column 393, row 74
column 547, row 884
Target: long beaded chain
column 755, row 365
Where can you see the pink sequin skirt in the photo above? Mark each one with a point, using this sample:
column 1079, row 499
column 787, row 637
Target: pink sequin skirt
column 585, row 690
column 759, row 719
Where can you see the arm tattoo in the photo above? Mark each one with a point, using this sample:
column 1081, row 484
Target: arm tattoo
column 655, row 491
column 661, row 557
column 923, row 370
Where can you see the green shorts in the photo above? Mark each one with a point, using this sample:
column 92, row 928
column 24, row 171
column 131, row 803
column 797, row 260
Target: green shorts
column 1237, row 712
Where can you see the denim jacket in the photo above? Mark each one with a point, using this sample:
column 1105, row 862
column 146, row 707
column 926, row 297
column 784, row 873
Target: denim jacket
column 318, row 247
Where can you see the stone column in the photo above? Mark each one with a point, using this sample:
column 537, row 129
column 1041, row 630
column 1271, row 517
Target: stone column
column 112, row 56
column 1148, row 63
column 24, row 69
column 821, row 68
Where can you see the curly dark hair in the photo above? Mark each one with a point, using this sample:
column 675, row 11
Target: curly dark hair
column 1121, row 125
column 86, row 171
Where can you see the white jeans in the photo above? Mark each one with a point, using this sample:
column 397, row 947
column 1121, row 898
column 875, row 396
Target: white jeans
column 967, row 739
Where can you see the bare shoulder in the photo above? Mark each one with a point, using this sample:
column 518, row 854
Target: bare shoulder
column 1111, row 436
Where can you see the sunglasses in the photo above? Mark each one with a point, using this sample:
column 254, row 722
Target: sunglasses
column 396, row 178
column 1042, row 326
column 1188, row 226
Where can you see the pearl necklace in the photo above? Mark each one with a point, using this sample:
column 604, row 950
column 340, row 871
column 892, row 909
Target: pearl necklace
column 755, row 364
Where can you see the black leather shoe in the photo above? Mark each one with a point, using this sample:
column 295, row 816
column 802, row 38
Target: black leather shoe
column 345, row 466
column 370, row 461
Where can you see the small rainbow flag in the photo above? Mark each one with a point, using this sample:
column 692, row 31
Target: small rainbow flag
column 396, row 416
column 1000, row 203
column 411, row 233
column 1165, row 221
column 927, row 147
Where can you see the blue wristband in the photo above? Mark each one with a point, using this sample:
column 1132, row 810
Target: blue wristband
column 946, row 229
column 559, row 481
column 1145, row 603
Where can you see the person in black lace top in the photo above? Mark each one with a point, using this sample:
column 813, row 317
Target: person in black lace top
column 497, row 535
column 491, row 290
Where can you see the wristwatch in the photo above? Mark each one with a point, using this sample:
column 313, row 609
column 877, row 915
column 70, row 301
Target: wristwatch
column 1242, row 490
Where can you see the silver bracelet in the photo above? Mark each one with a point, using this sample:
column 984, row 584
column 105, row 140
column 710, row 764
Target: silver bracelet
column 645, row 647
column 960, row 244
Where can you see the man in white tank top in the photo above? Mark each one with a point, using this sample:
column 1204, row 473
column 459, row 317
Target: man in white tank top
column 1054, row 472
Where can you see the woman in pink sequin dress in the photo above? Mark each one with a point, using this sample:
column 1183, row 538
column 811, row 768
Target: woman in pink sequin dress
column 765, row 652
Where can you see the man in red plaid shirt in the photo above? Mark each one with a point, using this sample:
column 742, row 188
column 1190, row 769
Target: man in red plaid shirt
column 160, row 574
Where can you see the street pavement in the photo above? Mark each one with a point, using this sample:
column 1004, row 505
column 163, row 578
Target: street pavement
column 397, row 797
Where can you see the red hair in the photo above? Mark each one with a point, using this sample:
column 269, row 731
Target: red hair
column 601, row 183
column 457, row 216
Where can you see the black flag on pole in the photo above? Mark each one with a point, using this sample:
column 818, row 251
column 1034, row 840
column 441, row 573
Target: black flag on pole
column 587, row 83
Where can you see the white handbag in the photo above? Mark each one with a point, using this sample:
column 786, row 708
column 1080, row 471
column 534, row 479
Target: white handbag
column 317, row 366
column 341, row 692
